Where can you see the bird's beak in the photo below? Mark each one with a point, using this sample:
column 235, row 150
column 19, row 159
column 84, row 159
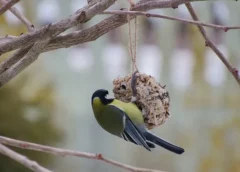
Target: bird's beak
column 107, row 97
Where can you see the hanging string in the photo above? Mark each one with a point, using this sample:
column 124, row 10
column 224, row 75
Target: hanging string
column 132, row 49
column 130, row 40
column 135, row 45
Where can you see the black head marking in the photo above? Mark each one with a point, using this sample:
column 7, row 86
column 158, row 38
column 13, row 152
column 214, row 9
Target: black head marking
column 101, row 93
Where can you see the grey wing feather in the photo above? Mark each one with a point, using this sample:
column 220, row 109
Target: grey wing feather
column 131, row 132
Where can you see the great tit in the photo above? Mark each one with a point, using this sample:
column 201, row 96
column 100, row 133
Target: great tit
column 125, row 120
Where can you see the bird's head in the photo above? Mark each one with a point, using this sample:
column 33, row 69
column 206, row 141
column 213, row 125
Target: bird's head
column 101, row 94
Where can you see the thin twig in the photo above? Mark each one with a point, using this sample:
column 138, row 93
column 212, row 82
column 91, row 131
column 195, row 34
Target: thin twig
column 131, row 2
column 198, row 23
column 210, row 43
column 22, row 159
column 21, row 17
column 7, row 5
column 66, row 152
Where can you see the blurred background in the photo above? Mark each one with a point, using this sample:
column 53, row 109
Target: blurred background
column 49, row 103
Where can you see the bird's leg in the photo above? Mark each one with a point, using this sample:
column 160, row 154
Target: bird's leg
column 133, row 86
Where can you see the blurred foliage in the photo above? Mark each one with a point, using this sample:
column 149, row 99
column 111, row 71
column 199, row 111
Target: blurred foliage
column 27, row 118
column 26, row 114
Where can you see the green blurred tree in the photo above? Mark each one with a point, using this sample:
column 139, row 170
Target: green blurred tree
column 30, row 119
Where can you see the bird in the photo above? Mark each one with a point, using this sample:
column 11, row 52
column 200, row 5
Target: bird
column 125, row 120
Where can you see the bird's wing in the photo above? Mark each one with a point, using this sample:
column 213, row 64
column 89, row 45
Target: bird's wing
column 131, row 132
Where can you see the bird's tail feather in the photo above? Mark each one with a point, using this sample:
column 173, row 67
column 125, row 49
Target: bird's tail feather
column 151, row 137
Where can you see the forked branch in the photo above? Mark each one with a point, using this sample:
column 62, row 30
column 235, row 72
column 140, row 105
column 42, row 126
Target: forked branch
column 209, row 42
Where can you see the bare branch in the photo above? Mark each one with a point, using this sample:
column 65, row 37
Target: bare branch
column 96, row 31
column 90, row 34
column 86, row 35
column 225, row 28
column 7, row 38
column 16, row 66
column 30, row 57
column 209, row 43
column 27, row 39
column 81, row 16
column 53, row 30
column 7, row 5
column 5, row 65
column 66, row 152
column 22, row 159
